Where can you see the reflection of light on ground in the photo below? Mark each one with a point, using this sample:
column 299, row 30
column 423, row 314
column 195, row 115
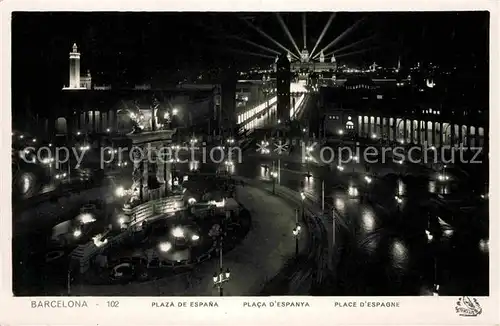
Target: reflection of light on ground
column 401, row 187
column 309, row 184
column 230, row 169
column 484, row 245
column 441, row 188
column 432, row 186
column 399, row 254
column 175, row 255
column 445, row 189
column 339, row 204
column 367, row 220
column 26, row 184
column 447, row 229
column 193, row 165
column 448, row 233
column 86, row 218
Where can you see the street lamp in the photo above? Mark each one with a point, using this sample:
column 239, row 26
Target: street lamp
column 352, row 191
column 296, row 233
column 229, row 166
column 297, row 229
column 77, row 233
column 274, row 175
column 435, row 291
column 195, row 237
column 399, row 201
column 429, row 235
column 368, row 179
column 221, row 277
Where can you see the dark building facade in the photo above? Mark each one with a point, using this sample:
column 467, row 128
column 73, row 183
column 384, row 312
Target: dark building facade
column 283, row 77
column 228, row 100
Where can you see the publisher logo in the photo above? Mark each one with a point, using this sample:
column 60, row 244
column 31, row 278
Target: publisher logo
column 468, row 307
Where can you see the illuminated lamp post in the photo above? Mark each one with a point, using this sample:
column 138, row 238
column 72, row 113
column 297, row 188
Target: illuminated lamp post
column 274, row 175
column 302, row 197
column 68, row 281
column 308, row 159
column 296, row 233
column 222, row 276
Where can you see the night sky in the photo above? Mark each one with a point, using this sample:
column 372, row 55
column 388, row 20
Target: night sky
column 137, row 46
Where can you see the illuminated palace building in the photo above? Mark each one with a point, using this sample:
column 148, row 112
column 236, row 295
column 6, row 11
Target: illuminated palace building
column 299, row 75
column 309, row 69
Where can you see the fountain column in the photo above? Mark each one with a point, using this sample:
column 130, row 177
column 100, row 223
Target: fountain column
column 147, row 174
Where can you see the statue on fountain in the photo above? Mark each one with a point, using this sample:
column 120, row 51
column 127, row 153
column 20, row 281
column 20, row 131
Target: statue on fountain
column 135, row 128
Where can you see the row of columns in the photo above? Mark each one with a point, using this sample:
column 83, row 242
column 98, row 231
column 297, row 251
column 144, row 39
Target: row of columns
column 97, row 121
column 86, row 121
column 421, row 131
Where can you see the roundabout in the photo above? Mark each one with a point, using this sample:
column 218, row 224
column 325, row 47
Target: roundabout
column 177, row 253
column 167, row 245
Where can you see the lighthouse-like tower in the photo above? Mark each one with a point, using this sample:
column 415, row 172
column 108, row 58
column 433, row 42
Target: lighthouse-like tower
column 74, row 68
